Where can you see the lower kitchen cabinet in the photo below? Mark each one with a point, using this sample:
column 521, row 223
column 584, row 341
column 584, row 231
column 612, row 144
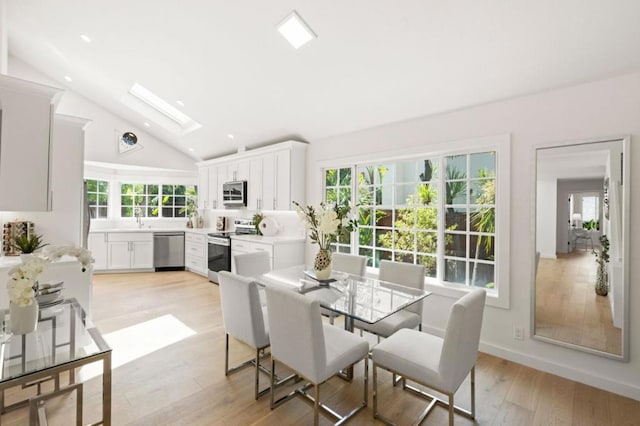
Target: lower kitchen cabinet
column 195, row 252
column 130, row 250
column 121, row 250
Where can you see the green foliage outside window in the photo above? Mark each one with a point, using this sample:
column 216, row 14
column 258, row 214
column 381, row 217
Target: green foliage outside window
column 399, row 212
column 98, row 198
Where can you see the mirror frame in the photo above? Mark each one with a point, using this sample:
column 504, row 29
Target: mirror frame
column 626, row 208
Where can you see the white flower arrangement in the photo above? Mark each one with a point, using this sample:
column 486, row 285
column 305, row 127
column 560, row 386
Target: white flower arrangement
column 23, row 278
column 326, row 223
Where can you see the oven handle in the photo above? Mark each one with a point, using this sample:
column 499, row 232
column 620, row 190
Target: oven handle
column 219, row 241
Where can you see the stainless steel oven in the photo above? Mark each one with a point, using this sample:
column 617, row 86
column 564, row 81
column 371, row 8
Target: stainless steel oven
column 218, row 254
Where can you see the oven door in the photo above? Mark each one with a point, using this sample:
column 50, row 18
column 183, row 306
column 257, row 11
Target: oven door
column 218, row 256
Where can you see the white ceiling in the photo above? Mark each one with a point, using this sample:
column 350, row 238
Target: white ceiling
column 374, row 61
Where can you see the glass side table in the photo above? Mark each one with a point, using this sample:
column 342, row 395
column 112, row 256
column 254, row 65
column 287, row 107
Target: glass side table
column 62, row 342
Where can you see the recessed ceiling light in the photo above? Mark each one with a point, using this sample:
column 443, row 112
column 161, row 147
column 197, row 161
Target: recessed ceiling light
column 85, row 38
column 147, row 124
column 230, row 136
column 180, row 103
column 295, row 30
column 69, row 79
column 191, row 149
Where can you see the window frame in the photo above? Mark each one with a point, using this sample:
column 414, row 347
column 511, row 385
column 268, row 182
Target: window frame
column 501, row 145
column 97, row 193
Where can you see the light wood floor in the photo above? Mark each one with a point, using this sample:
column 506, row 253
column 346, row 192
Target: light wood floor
column 567, row 307
column 184, row 383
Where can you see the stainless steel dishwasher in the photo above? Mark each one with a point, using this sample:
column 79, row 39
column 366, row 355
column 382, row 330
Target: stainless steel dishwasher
column 168, row 250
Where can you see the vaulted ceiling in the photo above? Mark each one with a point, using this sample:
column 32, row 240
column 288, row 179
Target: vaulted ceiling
column 373, row 62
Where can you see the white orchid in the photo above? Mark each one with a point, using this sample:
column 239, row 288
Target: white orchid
column 326, row 223
column 23, row 278
column 56, row 252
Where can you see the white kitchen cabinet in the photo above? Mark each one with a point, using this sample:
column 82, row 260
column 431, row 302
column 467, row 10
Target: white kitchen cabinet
column 130, row 250
column 283, row 251
column 195, row 252
column 97, row 244
column 214, row 202
column 275, row 175
column 203, row 188
column 268, row 181
column 141, row 254
column 254, row 184
column 26, row 134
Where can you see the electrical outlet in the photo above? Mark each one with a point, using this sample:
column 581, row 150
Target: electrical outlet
column 518, row 333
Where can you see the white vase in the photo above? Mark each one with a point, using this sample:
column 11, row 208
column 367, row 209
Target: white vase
column 23, row 319
column 322, row 265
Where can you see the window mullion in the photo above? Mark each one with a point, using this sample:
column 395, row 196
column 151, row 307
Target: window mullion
column 441, row 221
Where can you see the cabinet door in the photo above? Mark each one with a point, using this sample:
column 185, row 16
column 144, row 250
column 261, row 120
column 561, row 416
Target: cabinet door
column 141, row 254
column 214, row 203
column 254, row 185
column 222, row 178
column 97, row 244
column 25, row 141
column 283, row 181
column 268, row 181
column 119, row 255
column 203, row 188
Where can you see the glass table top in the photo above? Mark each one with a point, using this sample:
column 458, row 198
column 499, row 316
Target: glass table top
column 362, row 298
column 62, row 336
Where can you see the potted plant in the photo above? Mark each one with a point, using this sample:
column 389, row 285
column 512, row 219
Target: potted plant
column 28, row 244
column 326, row 224
column 602, row 257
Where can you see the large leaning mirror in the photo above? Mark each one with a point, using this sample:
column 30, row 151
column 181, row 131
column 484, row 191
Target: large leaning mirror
column 580, row 293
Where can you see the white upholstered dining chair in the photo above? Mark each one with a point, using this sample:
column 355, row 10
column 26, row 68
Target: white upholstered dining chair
column 349, row 263
column 406, row 274
column 315, row 351
column 439, row 363
column 252, row 264
column 244, row 319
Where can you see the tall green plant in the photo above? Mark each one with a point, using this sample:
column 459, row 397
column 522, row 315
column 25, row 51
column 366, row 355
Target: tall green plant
column 484, row 219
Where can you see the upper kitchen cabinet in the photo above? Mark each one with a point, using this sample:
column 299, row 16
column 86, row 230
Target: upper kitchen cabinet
column 275, row 175
column 26, row 117
column 203, row 188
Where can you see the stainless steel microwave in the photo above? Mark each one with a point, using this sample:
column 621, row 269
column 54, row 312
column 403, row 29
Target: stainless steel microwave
column 234, row 194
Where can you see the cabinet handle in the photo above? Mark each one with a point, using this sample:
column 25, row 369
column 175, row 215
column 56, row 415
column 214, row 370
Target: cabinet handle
column 106, row 238
column 214, row 204
column 275, row 203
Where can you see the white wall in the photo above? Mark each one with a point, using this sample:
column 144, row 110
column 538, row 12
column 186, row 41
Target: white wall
column 100, row 140
column 604, row 108
column 547, row 211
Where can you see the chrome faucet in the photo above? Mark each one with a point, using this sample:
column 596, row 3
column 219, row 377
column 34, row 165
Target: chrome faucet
column 138, row 213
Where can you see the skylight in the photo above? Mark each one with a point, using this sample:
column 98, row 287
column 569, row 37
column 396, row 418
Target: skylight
column 295, row 30
column 178, row 121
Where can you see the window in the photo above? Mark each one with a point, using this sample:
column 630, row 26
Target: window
column 174, row 200
column 590, row 208
column 98, row 198
column 150, row 200
column 338, row 191
column 437, row 211
column 137, row 198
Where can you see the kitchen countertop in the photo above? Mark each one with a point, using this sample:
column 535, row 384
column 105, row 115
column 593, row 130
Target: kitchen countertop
column 192, row 230
column 282, row 239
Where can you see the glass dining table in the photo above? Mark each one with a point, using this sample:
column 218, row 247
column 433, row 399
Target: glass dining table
column 63, row 341
column 366, row 299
